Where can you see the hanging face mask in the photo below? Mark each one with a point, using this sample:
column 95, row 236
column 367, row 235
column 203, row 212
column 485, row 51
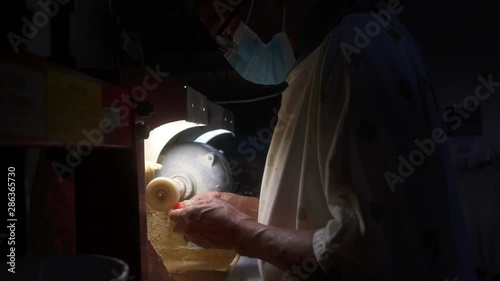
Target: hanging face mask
column 265, row 64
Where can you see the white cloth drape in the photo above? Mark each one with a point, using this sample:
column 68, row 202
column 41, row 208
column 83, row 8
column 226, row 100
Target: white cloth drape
column 342, row 128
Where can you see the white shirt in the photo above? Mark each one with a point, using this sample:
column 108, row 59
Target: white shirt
column 343, row 129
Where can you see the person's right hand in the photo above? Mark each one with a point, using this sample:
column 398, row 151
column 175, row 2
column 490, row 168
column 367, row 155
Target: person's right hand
column 244, row 204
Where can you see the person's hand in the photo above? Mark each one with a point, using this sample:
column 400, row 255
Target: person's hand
column 244, row 204
column 229, row 198
column 210, row 222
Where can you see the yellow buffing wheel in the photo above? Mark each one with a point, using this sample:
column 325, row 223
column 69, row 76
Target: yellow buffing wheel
column 162, row 194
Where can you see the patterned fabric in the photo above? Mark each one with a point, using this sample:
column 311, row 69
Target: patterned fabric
column 359, row 156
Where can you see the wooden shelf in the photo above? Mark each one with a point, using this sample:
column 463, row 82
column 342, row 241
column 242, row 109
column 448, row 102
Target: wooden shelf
column 44, row 104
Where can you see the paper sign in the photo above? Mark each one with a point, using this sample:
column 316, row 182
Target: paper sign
column 22, row 102
column 74, row 106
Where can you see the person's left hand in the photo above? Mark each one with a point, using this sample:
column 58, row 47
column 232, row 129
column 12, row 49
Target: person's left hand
column 209, row 222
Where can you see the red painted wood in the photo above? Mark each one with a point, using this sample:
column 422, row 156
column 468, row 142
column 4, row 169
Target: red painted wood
column 52, row 216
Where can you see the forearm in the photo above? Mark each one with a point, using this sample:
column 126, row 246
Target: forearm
column 285, row 249
column 245, row 204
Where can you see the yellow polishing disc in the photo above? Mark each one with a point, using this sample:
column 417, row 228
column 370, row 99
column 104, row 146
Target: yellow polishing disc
column 162, row 194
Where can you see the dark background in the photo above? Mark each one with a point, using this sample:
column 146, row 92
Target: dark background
column 460, row 41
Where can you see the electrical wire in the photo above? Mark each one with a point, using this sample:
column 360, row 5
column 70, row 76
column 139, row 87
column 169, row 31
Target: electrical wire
column 250, row 12
column 249, row 100
column 131, row 36
column 141, row 50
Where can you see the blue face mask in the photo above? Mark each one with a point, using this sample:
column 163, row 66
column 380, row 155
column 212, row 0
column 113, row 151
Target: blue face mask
column 265, row 64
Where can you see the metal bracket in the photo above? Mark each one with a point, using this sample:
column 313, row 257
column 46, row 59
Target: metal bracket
column 219, row 117
column 197, row 107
